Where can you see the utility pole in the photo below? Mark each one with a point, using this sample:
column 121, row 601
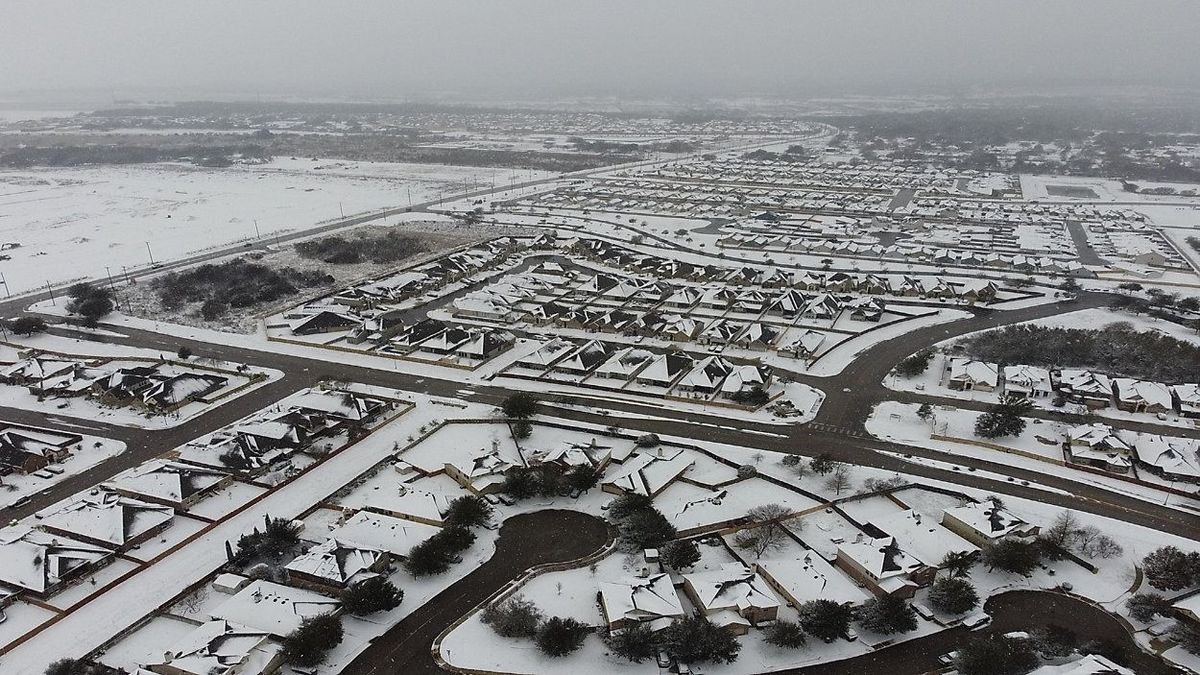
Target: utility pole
column 5, row 282
column 341, row 211
column 151, row 254
column 125, row 273
column 51, row 292
column 257, row 234
column 110, row 281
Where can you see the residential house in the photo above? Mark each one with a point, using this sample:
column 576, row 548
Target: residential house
column 109, row 519
column 1084, row 386
column 648, row 472
column 376, row 531
column 40, row 563
column 923, row 537
column 1142, row 396
column 1187, row 399
column 333, row 565
column 883, row 567
column 1175, row 459
column 966, row 374
column 28, row 449
column 170, row 483
column 982, row 523
column 665, row 369
column 733, row 597
column 651, row 600
column 273, row 608
column 220, row 648
column 808, row 577
column 1032, row 382
column 1096, row 445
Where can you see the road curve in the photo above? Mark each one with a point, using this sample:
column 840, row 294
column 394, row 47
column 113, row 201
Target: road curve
column 525, row 541
column 1010, row 611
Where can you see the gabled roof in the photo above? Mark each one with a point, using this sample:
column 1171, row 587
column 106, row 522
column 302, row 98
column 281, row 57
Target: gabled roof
column 988, row 519
column 641, row 599
column 36, row 561
column 336, row 562
column 273, row 608
column 109, row 518
column 167, row 480
column 734, row 586
column 220, row 648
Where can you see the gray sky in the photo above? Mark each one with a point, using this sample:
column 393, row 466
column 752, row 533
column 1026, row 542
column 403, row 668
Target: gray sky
column 621, row 47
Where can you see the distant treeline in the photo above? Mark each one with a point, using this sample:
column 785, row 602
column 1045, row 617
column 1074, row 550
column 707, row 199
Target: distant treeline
column 82, row 155
column 1117, row 349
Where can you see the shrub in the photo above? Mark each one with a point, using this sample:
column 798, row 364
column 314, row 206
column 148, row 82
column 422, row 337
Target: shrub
column 307, row 645
column 824, row 619
column 468, row 511
column 695, row 639
column 915, row 364
column 888, row 614
column 679, row 554
column 747, row 471
column 375, row 594
column 786, row 635
column 522, row 429
column 385, row 247
column 953, row 595
column 560, row 636
column 278, row 537
column 1145, row 606
column 635, row 642
column 27, row 325
column 513, row 618
column 520, row 405
column 996, row 655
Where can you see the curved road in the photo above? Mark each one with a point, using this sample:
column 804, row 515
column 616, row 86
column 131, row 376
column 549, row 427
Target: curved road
column 1011, row 611
column 525, row 541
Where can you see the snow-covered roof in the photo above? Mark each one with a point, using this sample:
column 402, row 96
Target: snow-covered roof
column 336, row 562
column 1097, row 436
column 1027, row 377
column 810, row 577
column 641, row 599
column 1092, row 664
column 36, row 561
column 648, row 473
column 220, row 648
column 881, row 558
column 109, row 518
column 273, row 608
column 988, row 519
column 732, row 587
column 1173, row 456
column 1153, row 394
column 923, row 536
column 963, row 369
column 386, row 533
column 166, row 480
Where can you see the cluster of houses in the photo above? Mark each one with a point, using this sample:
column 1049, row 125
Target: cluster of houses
column 893, row 554
column 633, row 368
column 779, row 279
column 390, row 290
column 882, row 176
column 102, row 525
column 156, row 386
column 1122, row 451
column 976, row 252
column 1075, row 385
column 311, row 421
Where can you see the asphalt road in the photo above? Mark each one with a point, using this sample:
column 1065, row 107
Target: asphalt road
column 1011, row 611
column 525, row 541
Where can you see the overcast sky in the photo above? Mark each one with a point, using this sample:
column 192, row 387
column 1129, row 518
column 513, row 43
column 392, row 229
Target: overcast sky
column 516, row 48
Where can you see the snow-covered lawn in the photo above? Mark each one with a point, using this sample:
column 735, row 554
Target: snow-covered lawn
column 72, row 223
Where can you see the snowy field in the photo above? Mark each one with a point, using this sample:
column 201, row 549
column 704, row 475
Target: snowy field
column 73, row 223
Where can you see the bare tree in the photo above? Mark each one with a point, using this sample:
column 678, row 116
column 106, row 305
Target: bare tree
column 768, row 531
column 839, row 479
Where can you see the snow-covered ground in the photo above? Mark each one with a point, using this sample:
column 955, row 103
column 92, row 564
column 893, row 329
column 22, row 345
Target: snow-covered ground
column 73, row 223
